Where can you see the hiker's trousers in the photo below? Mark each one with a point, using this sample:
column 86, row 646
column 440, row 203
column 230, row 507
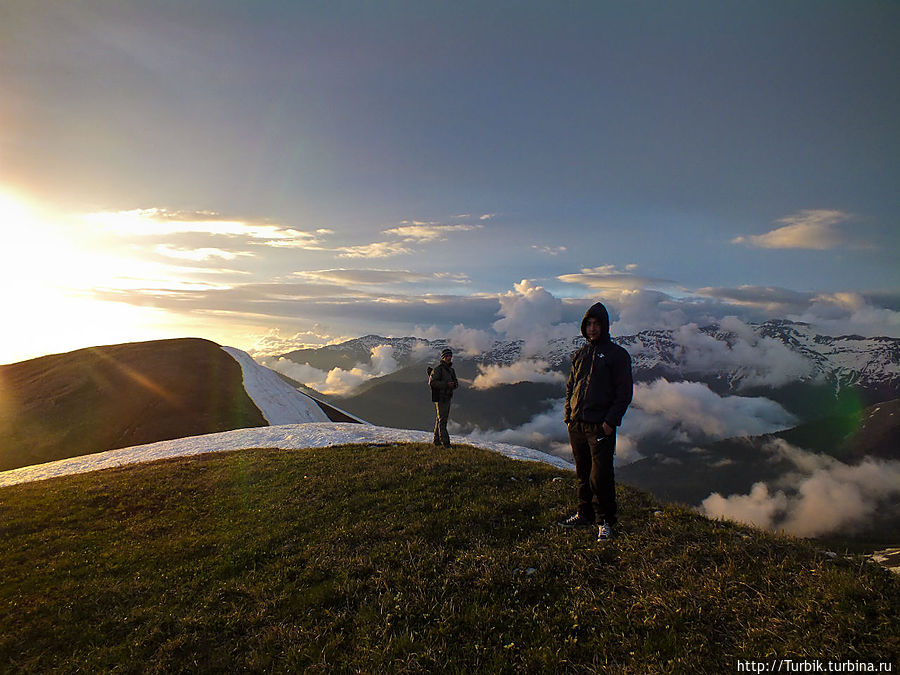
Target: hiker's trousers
column 442, row 414
column 594, row 452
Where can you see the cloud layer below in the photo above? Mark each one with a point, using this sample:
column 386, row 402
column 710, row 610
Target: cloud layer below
column 337, row 381
column 822, row 496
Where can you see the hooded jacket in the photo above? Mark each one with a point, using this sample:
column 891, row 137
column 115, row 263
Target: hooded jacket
column 440, row 379
column 599, row 388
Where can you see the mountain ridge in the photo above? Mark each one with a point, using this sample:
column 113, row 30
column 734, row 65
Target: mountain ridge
column 870, row 363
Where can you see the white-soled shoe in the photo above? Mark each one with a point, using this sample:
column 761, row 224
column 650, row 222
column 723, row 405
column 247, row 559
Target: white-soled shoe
column 605, row 532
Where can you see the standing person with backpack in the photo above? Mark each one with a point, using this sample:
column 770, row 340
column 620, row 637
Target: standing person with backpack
column 442, row 380
column 598, row 392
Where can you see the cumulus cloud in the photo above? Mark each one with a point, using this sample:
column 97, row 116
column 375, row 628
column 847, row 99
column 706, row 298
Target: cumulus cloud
column 469, row 341
column 422, row 351
column 849, row 314
column 816, row 229
column 547, row 431
column 524, row 307
column 841, row 313
column 755, row 359
column 531, row 313
column 527, row 370
column 273, row 343
column 822, row 496
column 337, row 381
column 671, row 411
column 692, row 412
column 632, row 311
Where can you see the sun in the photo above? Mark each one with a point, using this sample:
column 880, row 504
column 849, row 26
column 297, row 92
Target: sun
column 47, row 276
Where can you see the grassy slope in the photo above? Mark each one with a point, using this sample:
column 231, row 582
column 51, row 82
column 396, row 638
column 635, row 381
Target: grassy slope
column 110, row 397
column 403, row 559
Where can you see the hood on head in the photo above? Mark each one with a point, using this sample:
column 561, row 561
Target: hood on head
column 597, row 311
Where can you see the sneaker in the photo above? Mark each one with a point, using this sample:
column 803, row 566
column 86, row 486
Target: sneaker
column 575, row 520
column 605, row 532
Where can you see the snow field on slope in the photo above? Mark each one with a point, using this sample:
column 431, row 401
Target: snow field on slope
column 278, row 401
column 283, row 437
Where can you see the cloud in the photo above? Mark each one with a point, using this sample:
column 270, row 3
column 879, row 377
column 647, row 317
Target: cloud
column 200, row 254
column 816, row 229
column 840, row 313
column 531, row 313
column 379, row 249
column 415, row 231
column 338, row 381
column 755, row 359
column 526, row 306
column 407, row 234
column 823, row 496
column 608, row 277
column 549, row 250
column 273, row 343
column 849, row 314
column 469, row 341
column 156, row 222
column 772, row 300
column 670, row 411
column 373, row 277
column 527, row 370
column 547, row 431
column 692, row 412
column 632, row 311
column 462, row 340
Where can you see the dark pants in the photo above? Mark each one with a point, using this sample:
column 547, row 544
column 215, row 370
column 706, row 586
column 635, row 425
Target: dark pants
column 594, row 467
column 442, row 414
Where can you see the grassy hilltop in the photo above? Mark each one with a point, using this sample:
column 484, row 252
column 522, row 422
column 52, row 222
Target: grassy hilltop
column 100, row 398
column 404, row 559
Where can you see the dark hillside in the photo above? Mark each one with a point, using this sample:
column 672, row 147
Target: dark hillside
column 403, row 399
column 402, row 559
column 102, row 398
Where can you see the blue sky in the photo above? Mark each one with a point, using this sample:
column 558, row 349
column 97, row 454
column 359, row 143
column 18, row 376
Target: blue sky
column 275, row 174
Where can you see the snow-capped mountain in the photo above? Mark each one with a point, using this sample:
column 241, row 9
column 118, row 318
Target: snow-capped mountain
column 771, row 354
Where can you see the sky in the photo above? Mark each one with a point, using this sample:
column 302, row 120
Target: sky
column 271, row 175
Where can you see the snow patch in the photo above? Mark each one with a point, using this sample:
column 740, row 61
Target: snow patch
column 282, row 437
column 279, row 402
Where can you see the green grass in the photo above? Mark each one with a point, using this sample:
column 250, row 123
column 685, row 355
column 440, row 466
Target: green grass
column 404, row 559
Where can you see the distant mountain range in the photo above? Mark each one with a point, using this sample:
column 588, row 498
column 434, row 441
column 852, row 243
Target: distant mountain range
column 813, row 376
column 870, row 364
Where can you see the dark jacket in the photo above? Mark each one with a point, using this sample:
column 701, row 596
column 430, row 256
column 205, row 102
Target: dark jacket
column 439, row 380
column 599, row 387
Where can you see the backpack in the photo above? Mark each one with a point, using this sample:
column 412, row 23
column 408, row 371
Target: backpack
column 435, row 396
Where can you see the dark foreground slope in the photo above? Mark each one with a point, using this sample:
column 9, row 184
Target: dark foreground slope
column 102, row 398
column 403, row 559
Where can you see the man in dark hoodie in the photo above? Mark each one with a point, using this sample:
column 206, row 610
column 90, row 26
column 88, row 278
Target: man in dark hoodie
column 598, row 392
column 442, row 380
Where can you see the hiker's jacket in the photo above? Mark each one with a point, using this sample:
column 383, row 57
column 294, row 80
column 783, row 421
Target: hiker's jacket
column 599, row 387
column 439, row 380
